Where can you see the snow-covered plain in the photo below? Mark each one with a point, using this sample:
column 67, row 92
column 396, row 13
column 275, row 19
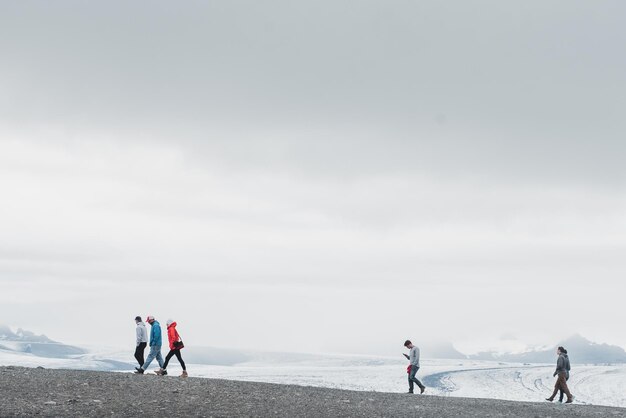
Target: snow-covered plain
column 591, row 384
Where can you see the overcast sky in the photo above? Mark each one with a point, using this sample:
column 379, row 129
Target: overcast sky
column 325, row 176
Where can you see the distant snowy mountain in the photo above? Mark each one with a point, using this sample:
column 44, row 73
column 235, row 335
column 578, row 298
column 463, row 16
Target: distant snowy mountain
column 22, row 341
column 440, row 350
column 580, row 350
column 21, row 335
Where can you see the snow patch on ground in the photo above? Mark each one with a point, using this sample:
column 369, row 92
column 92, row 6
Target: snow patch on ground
column 597, row 385
column 591, row 384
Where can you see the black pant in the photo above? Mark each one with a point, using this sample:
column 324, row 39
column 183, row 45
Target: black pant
column 139, row 353
column 175, row 352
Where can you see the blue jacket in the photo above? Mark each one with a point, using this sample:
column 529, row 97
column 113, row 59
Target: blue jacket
column 155, row 334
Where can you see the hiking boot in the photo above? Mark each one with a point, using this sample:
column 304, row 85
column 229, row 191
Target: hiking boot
column 410, row 391
column 570, row 400
column 184, row 374
column 549, row 399
column 161, row 372
column 422, row 389
column 138, row 371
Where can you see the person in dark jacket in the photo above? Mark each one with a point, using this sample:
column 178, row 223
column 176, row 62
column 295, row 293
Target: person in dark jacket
column 141, row 340
column 155, row 345
column 176, row 344
column 562, row 371
column 567, row 367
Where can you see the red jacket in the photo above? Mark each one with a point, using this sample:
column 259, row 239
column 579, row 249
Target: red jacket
column 172, row 334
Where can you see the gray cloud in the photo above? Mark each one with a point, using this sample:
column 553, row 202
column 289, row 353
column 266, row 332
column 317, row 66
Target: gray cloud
column 317, row 151
column 523, row 89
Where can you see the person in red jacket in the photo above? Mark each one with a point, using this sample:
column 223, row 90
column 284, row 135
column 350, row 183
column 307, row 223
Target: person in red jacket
column 175, row 346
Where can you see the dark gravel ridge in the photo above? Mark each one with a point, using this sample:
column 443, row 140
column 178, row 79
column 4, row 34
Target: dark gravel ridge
column 67, row 393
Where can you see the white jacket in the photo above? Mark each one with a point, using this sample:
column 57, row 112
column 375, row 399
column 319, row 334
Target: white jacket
column 142, row 333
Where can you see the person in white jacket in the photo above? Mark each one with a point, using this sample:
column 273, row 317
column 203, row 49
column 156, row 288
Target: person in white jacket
column 142, row 340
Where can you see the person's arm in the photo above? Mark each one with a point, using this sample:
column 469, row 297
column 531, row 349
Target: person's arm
column 138, row 332
column 407, row 357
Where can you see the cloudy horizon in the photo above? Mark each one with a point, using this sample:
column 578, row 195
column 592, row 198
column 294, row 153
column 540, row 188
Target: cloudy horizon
column 322, row 177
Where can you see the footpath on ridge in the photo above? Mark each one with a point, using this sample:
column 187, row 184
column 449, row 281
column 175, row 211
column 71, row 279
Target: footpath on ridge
column 76, row 393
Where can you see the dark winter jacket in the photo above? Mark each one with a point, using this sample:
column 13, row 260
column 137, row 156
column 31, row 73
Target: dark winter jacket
column 562, row 364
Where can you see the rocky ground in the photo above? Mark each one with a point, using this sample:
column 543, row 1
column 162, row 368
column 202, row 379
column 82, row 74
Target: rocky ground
column 60, row 393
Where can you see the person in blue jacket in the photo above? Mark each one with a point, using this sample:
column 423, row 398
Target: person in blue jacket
column 155, row 345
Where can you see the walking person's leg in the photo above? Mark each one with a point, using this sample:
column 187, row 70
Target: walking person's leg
column 564, row 387
column 180, row 360
column 151, row 356
column 138, row 355
column 159, row 358
column 167, row 359
column 561, row 392
column 143, row 350
column 162, row 371
column 415, row 380
column 557, row 386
